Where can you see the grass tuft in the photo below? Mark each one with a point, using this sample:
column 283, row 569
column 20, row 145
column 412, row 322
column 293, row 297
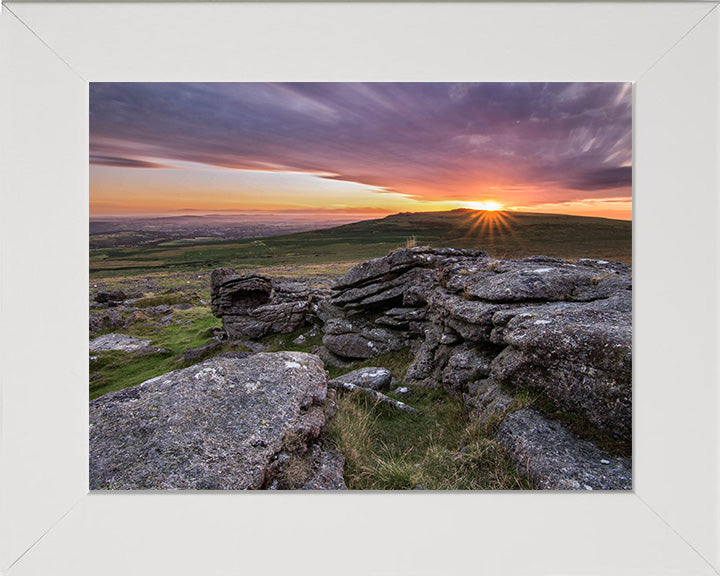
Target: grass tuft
column 297, row 471
column 436, row 449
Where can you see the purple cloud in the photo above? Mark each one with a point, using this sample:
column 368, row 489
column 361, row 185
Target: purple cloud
column 429, row 139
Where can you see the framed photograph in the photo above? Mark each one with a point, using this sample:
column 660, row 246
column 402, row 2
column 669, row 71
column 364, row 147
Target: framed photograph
column 55, row 61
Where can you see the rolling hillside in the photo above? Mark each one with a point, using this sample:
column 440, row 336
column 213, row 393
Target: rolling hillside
column 503, row 234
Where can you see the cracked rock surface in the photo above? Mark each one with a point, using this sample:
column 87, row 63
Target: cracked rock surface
column 223, row 424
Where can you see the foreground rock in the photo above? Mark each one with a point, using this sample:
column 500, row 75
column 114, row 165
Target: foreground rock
column 223, row 424
column 556, row 459
column 118, row 342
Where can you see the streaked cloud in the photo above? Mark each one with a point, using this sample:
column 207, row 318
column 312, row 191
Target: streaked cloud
column 99, row 160
column 424, row 143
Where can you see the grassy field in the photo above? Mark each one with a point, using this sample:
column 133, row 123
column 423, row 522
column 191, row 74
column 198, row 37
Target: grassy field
column 503, row 234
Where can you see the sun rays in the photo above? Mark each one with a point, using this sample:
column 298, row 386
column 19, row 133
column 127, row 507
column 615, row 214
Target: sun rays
column 490, row 226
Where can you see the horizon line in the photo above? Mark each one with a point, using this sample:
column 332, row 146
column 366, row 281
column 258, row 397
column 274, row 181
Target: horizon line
column 380, row 213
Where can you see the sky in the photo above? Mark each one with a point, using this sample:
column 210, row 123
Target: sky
column 370, row 149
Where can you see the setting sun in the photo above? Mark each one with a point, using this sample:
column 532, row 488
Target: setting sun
column 485, row 205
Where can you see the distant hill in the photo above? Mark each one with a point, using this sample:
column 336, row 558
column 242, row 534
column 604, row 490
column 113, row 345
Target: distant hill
column 502, row 234
column 510, row 234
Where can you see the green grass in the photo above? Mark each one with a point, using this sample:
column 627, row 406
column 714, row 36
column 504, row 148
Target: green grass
column 118, row 370
column 190, row 328
column 508, row 234
column 437, row 448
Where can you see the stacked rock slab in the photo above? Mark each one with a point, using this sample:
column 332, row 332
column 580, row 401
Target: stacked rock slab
column 253, row 306
column 383, row 301
column 223, row 424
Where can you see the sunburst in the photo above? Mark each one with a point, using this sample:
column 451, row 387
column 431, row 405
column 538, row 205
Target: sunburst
column 491, row 224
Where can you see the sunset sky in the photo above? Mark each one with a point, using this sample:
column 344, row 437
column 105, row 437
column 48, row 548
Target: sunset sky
column 370, row 149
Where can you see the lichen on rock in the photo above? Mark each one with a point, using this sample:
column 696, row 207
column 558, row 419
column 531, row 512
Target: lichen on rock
column 218, row 425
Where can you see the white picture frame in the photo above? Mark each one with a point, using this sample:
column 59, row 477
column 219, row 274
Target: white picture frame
column 50, row 524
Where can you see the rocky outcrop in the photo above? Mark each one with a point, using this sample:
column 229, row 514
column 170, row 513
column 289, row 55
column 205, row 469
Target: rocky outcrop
column 403, row 277
column 482, row 328
column 223, row 424
column 383, row 303
column 253, row 306
column 570, row 335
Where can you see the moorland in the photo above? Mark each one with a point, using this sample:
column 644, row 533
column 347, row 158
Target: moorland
column 502, row 234
column 166, row 301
